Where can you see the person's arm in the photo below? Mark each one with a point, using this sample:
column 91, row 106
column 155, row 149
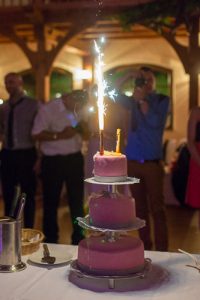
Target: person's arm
column 46, row 135
column 129, row 75
column 155, row 117
column 2, row 137
column 191, row 134
column 140, row 97
column 42, row 123
column 83, row 129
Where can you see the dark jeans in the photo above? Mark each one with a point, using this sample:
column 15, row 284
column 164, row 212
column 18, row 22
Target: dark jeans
column 56, row 170
column 17, row 169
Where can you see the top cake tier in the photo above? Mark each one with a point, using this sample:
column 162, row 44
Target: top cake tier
column 110, row 167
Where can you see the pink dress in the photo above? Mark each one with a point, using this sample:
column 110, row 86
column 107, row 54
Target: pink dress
column 193, row 184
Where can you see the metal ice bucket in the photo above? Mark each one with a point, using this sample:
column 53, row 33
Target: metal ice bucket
column 10, row 245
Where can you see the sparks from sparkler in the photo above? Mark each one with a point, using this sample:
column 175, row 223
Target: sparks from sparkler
column 100, row 94
column 102, row 86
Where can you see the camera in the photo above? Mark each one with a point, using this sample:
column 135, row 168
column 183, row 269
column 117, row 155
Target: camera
column 140, row 82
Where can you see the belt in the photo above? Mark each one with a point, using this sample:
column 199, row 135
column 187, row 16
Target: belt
column 142, row 161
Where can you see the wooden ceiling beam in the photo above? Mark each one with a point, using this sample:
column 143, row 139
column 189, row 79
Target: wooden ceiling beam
column 71, row 4
column 61, row 17
column 60, row 10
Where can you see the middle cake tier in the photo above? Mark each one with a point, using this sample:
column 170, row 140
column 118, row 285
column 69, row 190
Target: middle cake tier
column 111, row 210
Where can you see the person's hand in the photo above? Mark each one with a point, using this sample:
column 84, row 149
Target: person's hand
column 2, row 139
column 84, row 148
column 37, row 166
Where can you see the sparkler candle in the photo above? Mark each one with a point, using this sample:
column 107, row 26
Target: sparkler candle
column 100, row 94
column 118, row 140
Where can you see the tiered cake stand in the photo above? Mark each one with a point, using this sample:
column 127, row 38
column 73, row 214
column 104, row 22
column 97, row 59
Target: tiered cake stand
column 103, row 283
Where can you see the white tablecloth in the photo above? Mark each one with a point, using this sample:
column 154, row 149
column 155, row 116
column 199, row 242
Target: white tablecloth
column 38, row 283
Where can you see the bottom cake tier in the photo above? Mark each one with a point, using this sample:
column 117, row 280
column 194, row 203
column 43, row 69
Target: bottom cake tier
column 100, row 256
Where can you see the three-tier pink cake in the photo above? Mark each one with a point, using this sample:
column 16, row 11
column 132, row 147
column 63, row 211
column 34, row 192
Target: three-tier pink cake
column 103, row 254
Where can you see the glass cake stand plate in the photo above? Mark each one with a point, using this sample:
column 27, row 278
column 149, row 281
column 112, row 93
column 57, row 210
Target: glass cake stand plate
column 105, row 283
column 107, row 181
column 85, row 223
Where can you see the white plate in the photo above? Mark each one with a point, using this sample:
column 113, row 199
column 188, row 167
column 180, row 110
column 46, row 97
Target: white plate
column 63, row 256
column 127, row 180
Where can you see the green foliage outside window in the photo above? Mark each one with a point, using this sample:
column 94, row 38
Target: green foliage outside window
column 60, row 82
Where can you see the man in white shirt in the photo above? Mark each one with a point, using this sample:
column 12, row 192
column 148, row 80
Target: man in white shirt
column 60, row 131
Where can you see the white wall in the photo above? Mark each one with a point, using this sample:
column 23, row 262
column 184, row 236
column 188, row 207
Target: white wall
column 12, row 59
column 155, row 51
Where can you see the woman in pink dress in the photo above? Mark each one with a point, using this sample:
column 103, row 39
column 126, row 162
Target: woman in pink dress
column 193, row 185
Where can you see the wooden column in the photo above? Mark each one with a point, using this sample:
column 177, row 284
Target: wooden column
column 87, row 65
column 194, row 65
column 42, row 84
column 193, row 89
column 41, row 66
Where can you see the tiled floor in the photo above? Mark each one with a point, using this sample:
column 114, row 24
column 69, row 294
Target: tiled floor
column 182, row 223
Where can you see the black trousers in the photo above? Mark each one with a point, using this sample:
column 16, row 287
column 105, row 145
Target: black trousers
column 17, row 169
column 57, row 170
column 149, row 200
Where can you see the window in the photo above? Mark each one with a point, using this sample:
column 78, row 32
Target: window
column 60, row 82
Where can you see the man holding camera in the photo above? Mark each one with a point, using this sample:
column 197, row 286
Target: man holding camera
column 60, row 131
column 144, row 153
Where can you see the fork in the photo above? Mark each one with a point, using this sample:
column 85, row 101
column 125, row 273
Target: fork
column 47, row 258
column 195, row 267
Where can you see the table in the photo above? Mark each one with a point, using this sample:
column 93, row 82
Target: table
column 39, row 283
